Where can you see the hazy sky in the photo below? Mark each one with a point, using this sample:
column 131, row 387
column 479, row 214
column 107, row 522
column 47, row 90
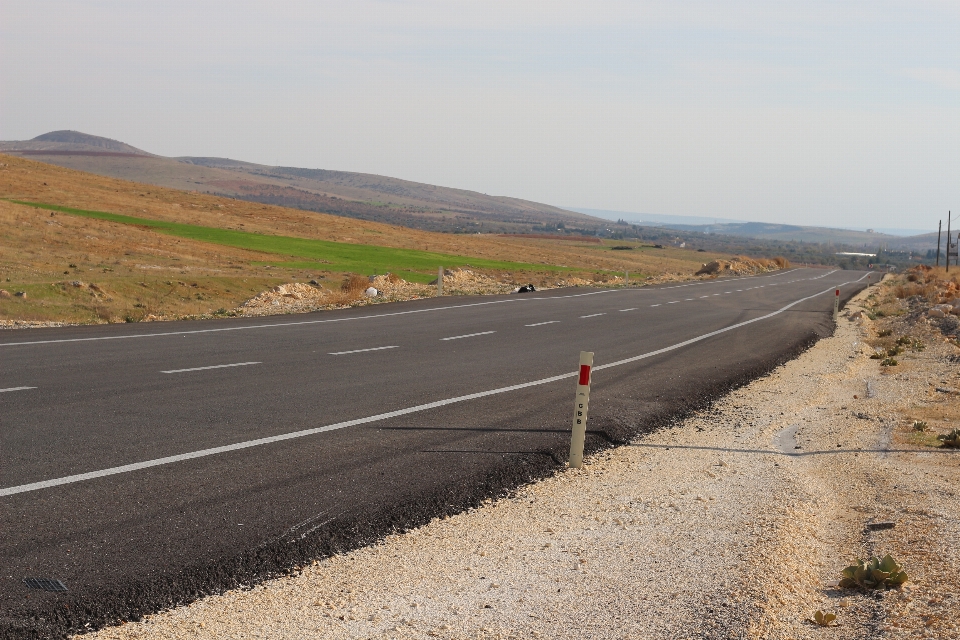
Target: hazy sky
column 832, row 113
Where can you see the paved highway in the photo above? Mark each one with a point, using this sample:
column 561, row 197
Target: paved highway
column 142, row 465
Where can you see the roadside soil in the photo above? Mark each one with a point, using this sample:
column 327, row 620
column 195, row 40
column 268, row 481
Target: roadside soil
column 734, row 523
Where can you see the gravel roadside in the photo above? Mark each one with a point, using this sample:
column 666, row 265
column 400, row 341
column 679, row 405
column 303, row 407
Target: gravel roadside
column 734, row 523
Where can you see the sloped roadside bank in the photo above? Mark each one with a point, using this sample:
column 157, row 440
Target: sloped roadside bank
column 625, row 395
column 733, row 523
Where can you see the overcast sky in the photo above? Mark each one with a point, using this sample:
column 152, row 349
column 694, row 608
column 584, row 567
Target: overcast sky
column 830, row 113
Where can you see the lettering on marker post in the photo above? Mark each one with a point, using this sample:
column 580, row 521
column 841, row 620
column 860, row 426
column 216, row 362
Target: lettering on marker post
column 581, row 405
column 836, row 306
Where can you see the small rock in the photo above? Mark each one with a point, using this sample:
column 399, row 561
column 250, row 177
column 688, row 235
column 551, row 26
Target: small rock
column 21, row 294
column 5, row 294
column 880, row 526
column 371, row 292
column 935, row 313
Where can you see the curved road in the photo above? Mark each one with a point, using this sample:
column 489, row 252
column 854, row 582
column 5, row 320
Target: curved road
column 142, row 465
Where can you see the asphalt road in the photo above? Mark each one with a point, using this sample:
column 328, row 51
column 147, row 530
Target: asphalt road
column 144, row 465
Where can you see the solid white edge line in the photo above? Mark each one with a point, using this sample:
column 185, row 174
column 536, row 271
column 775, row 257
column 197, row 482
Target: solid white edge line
column 468, row 335
column 379, row 315
column 343, row 353
column 16, row 389
column 216, row 366
column 45, row 484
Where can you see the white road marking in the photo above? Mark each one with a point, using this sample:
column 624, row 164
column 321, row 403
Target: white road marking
column 726, row 292
column 656, row 305
column 309, row 322
column 468, row 335
column 539, row 324
column 146, row 464
column 16, row 389
column 706, row 296
column 630, row 309
column 216, row 366
column 674, row 302
column 343, row 353
column 593, row 315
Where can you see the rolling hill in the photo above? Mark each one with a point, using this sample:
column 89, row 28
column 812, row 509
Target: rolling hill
column 355, row 195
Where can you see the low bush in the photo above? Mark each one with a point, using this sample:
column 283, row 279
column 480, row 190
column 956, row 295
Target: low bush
column 873, row 574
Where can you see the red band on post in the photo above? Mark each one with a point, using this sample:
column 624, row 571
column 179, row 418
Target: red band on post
column 584, row 375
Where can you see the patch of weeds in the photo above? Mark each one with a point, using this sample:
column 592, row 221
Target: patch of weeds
column 894, row 351
column 875, row 573
column 889, row 362
column 883, row 333
column 950, row 440
column 920, row 425
column 822, row 619
column 878, row 355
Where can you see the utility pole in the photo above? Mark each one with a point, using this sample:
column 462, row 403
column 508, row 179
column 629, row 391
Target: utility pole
column 939, row 229
column 948, row 242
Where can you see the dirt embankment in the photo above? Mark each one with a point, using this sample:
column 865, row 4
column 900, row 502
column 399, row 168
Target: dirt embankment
column 734, row 523
column 741, row 266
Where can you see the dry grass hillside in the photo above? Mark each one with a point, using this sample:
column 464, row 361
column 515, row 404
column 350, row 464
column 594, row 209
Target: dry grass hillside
column 137, row 272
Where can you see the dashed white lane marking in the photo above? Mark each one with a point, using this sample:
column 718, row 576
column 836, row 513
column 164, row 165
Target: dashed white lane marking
column 369, row 317
column 216, row 366
column 706, row 296
column 538, row 324
column 593, row 315
column 16, row 389
column 740, row 290
column 656, row 305
column 673, row 302
column 726, row 292
column 343, row 353
column 467, row 335
column 630, row 309
column 146, row 464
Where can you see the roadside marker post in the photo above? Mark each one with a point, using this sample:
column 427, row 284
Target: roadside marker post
column 440, row 282
column 836, row 306
column 581, row 404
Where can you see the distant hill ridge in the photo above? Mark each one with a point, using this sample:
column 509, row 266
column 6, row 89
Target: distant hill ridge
column 67, row 140
column 356, row 195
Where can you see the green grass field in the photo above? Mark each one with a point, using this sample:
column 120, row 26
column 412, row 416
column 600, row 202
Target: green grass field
column 410, row 264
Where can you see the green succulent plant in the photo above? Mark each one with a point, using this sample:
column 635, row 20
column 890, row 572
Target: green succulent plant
column 823, row 619
column 951, row 440
column 889, row 362
column 873, row 574
column 919, row 425
column 877, row 355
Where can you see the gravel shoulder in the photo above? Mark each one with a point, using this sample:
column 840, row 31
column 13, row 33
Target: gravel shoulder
column 734, row 523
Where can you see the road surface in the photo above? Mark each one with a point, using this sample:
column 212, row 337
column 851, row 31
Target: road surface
column 143, row 465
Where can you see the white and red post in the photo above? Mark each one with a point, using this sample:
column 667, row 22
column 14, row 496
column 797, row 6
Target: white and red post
column 581, row 405
column 836, row 306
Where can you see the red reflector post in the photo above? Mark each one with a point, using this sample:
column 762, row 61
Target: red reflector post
column 584, row 375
